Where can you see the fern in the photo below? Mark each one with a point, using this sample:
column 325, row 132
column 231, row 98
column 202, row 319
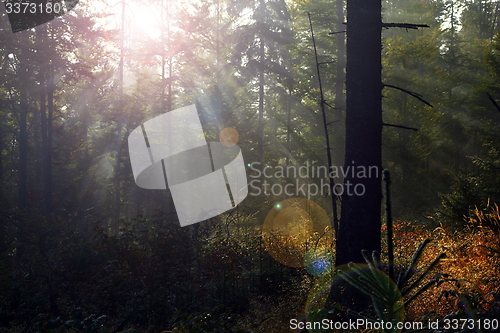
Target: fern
column 388, row 297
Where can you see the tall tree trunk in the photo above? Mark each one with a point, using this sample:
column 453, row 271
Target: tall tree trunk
column 170, row 103
column 327, row 134
column 289, row 106
column 23, row 130
column 43, row 123
column 3, row 235
column 1, row 166
column 162, row 41
column 339, row 84
column 170, row 65
column 361, row 213
column 165, row 11
column 260, row 148
column 117, row 205
column 217, row 43
column 23, row 75
column 50, row 116
column 86, row 117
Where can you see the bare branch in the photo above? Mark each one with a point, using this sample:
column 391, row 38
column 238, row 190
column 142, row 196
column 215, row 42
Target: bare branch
column 404, row 25
column 331, row 106
column 494, row 102
column 411, row 93
column 336, row 32
column 400, row 126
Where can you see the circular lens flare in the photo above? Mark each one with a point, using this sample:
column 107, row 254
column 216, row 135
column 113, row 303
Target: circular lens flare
column 229, row 137
column 319, row 292
column 294, row 226
column 318, row 261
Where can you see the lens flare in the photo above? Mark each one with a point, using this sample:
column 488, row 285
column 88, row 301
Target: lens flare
column 294, row 226
column 319, row 292
column 318, row 261
column 229, row 137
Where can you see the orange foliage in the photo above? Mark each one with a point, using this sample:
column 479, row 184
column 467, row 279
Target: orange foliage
column 471, row 267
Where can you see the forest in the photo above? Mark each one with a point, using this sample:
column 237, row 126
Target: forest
column 368, row 132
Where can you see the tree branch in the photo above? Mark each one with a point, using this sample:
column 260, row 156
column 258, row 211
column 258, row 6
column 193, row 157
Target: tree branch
column 404, row 25
column 411, row 93
column 331, row 106
column 401, row 126
column 336, row 32
column 494, row 102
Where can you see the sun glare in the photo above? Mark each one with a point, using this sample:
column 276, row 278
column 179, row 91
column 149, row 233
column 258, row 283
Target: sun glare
column 145, row 19
column 141, row 19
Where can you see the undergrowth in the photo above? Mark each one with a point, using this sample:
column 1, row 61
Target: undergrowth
column 470, row 273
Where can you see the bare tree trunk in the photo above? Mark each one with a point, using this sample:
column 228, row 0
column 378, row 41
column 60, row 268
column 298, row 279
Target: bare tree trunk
column 339, row 83
column 117, row 204
column 1, row 165
column 162, row 41
column 86, row 117
column 23, row 75
column 361, row 212
column 48, row 88
column 23, row 130
column 360, row 220
column 50, row 116
column 170, row 66
column 289, row 106
column 40, row 32
column 261, row 101
column 3, row 235
column 170, row 73
column 166, row 11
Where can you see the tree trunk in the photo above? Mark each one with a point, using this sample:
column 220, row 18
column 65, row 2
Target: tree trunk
column 339, row 81
column 3, row 229
column 289, row 106
column 117, row 204
column 50, row 86
column 23, row 130
column 339, row 152
column 260, row 147
column 163, row 61
column 1, row 166
column 43, row 123
column 50, row 116
column 361, row 212
column 170, row 104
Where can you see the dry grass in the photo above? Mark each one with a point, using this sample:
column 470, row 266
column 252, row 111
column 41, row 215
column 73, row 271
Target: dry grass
column 470, row 273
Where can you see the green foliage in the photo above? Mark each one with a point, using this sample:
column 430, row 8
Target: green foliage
column 386, row 297
column 409, row 280
column 473, row 188
column 389, row 298
column 154, row 276
column 466, row 194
